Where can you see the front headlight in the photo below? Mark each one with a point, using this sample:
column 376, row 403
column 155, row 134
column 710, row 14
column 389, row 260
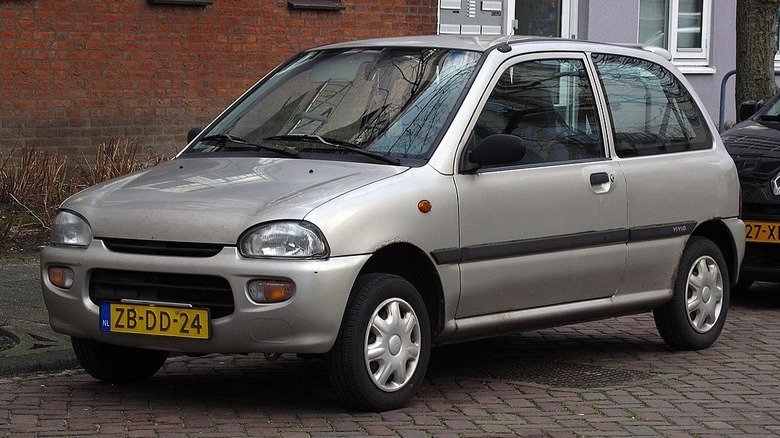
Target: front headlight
column 70, row 229
column 289, row 239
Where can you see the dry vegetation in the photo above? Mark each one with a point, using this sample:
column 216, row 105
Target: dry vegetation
column 33, row 183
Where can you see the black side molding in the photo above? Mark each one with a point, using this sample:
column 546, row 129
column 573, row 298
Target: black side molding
column 519, row 248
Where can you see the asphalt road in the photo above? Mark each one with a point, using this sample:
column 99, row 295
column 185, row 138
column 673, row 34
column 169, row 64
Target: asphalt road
column 24, row 320
column 606, row 378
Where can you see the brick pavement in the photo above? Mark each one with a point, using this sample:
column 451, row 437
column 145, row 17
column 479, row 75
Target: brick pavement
column 606, row 378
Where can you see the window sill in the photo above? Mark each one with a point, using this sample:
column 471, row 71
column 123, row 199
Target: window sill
column 695, row 69
column 182, row 2
column 316, row 5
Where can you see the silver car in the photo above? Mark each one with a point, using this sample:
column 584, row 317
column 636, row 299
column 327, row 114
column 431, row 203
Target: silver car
column 366, row 201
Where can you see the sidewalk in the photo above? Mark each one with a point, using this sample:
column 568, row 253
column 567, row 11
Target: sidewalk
column 24, row 323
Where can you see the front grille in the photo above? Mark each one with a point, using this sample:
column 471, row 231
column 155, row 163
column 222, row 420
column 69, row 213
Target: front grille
column 202, row 291
column 153, row 247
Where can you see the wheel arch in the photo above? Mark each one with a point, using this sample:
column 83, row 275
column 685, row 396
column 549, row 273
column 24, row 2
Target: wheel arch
column 718, row 232
column 411, row 263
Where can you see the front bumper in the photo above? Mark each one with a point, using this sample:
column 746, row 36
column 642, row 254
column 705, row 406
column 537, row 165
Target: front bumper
column 762, row 260
column 306, row 323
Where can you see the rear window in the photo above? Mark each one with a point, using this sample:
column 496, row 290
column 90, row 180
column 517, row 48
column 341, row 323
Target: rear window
column 652, row 113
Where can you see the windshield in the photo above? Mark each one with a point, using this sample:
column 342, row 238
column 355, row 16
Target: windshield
column 773, row 112
column 384, row 105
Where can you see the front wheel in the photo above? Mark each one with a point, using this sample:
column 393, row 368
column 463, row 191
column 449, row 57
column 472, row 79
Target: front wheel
column 695, row 316
column 382, row 352
column 115, row 363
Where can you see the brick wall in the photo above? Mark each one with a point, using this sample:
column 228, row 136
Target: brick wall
column 76, row 73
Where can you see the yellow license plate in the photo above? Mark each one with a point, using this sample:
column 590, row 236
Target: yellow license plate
column 142, row 319
column 765, row 232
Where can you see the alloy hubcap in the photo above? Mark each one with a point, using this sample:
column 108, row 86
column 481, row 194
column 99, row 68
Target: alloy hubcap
column 392, row 345
column 704, row 294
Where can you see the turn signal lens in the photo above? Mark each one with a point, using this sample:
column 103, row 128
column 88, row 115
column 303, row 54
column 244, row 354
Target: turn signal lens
column 270, row 291
column 61, row 276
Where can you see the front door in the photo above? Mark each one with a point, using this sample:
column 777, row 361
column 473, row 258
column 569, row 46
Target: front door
column 551, row 228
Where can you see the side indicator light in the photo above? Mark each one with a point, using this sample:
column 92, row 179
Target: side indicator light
column 424, row 206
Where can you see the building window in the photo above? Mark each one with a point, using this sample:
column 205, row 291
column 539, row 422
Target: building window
column 552, row 18
column 680, row 26
column 538, row 17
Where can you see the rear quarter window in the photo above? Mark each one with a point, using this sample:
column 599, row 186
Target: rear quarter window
column 652, row 113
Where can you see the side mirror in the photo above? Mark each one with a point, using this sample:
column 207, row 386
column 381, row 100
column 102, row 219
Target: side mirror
column 747, row 109
column 495, row 150
column 192, row 133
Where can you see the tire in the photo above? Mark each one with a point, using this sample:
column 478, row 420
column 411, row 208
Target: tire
column 381, row 354
column 694, row 317
column 116, row 364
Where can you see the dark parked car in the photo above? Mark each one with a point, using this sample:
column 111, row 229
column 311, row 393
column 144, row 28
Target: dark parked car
column 754, row 144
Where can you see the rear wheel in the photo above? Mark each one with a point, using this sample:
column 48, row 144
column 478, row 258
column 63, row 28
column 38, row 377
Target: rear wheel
column 695, row 316
column 117, row 364
column 382, row 352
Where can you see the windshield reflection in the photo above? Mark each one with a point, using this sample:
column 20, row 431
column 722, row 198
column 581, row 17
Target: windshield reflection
column 391, row 101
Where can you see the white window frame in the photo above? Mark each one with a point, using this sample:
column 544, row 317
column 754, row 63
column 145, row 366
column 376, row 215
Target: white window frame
column 569, row 14
column 695, row 60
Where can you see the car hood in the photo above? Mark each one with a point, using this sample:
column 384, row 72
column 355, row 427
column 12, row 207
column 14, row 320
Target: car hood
column 753, row 139
column 755, row 148
column 214, row 200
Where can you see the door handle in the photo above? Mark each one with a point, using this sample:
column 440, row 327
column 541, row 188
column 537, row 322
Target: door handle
column 599, row 178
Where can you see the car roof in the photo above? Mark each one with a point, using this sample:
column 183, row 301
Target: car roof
column 485, row 43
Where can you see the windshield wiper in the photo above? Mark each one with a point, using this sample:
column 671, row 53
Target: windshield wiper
column 338, row 144
column 224, row 138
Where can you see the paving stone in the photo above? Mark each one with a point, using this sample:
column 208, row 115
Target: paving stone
column 600, row 379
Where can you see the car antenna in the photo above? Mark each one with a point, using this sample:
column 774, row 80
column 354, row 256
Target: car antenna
column 505, row 47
